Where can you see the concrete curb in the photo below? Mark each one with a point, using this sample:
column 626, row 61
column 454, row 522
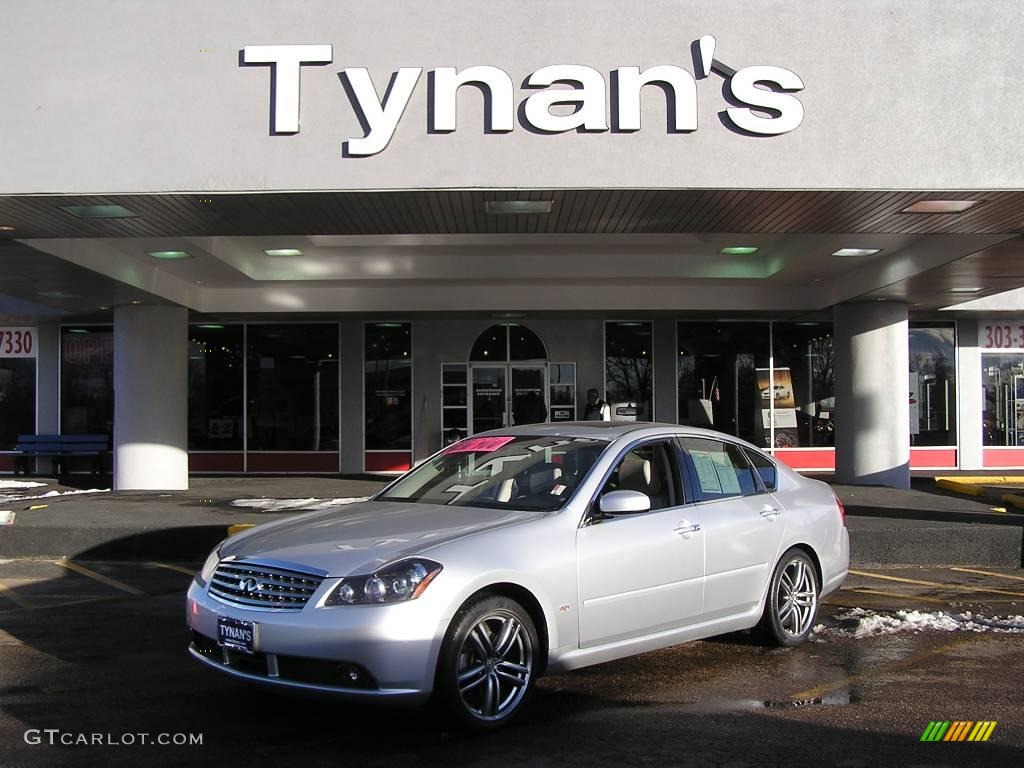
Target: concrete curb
column 873, row 541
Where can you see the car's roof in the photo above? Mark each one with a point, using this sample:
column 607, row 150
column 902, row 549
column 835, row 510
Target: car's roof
column 608, row 430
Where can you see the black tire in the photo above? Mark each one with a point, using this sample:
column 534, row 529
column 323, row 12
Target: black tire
column 793, row 589
column 489, row 698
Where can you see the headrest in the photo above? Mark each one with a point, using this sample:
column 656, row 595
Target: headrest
column 635, row 475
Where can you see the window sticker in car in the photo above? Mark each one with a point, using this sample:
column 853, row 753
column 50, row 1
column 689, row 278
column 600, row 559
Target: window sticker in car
column 706, row 474
column 479, row 445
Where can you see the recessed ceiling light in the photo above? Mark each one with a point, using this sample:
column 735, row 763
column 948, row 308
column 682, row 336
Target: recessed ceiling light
column 739, row 250
column 503, row 207
column 857, row 252
column 99, row 211
column 940, row 206
column 6, row 228
column 77, row 330
column 104, row 308
column 170, row 255
column 58, row 294
column 136, row 302
column 965, row 290
column 283, row 252
column 210, row 327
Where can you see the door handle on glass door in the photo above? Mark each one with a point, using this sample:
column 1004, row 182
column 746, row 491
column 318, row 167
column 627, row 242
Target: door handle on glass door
column 686, row 529
column 770, row 513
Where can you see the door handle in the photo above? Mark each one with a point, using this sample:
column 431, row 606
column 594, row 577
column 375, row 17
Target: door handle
column 770, row 513
column 686, row 529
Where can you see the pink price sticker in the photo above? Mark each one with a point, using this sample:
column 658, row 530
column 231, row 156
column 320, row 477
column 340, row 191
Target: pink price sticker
column 479, row 445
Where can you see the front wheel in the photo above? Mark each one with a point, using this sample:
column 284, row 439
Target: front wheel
column 488, row 663
column 792, row 603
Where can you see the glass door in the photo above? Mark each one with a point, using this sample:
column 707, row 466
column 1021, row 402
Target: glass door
column 527, row 394
column 489, row 397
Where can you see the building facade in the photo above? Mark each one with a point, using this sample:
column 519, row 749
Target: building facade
column 268, row 237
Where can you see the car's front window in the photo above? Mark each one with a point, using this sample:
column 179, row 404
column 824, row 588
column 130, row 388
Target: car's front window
column 502, row 472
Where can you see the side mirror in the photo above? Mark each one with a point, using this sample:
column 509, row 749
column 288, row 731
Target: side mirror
column 624, row 503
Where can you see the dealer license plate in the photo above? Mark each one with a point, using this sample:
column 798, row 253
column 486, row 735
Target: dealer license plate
column 237, row 634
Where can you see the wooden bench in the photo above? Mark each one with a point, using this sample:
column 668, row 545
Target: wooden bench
column 58, row 448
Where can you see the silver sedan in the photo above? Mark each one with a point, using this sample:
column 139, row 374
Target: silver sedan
column 534, row 549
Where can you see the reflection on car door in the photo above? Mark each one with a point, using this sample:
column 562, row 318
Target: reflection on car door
column 641, row 573
column 743, row 525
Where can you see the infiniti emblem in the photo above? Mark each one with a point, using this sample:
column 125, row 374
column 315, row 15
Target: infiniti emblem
column 250, row 584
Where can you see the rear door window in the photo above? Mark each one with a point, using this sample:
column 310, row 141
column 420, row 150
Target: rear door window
column 719, row 470
column 765, row 468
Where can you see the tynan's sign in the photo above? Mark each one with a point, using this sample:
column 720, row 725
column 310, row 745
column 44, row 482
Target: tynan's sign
column 762, row 96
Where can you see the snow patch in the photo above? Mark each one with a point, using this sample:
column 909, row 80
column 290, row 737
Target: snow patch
column 859, row 623
column 50, row 495
column 20, row 484
column 286, row 505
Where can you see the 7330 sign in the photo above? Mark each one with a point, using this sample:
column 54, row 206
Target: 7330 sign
column 17, row 342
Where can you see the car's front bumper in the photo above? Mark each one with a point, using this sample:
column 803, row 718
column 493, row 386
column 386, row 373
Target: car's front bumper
column 380, row 652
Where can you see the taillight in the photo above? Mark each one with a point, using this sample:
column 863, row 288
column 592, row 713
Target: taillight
column 841, row 508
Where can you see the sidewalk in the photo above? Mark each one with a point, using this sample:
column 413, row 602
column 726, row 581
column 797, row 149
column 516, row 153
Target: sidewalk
column 922, row 526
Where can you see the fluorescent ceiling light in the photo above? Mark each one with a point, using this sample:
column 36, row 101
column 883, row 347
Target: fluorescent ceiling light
column 502, row 207
column 964, row 290
column 6, row 228
column 283, row 252
column 940, row 206
column 170, row 255
column 210, row 327
column 857, row 251
column 739, row 250
column 77, row 330
column 99, row 211
column 58, row 294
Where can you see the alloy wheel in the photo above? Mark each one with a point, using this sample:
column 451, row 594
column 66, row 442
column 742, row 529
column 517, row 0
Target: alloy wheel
column 797, row 598
column 495, row 666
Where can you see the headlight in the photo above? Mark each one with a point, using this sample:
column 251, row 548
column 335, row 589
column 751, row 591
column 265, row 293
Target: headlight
column 404, row 580
column 206, row 572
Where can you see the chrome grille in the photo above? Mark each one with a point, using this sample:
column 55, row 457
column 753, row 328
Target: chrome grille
column 263, row 585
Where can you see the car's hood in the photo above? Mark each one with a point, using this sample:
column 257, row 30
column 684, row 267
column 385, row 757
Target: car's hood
column 358, row 538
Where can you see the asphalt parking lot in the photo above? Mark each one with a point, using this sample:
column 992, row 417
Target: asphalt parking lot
column 99, row 648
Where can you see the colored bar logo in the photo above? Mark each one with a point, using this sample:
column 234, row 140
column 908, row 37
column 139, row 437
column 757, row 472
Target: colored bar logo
column 958, row 730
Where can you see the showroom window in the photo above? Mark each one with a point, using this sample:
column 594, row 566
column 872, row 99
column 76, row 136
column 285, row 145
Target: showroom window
column 87, row 380
column 292, row 387
column 723, row 378
column 17, row 385
column 215, row 387
column 1003, row 381
column 629, row 370
column 932, row 384
column 388, row 386
column 803, row 387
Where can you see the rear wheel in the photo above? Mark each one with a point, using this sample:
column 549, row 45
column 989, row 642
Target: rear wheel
column 488, row 663
column 792, row 603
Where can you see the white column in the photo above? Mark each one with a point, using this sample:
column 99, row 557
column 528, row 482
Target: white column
column 150, row 398
column 970, row 397
column 872, row 394
column 48, row 381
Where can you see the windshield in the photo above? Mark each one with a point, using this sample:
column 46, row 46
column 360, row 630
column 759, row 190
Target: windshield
column 501, row 472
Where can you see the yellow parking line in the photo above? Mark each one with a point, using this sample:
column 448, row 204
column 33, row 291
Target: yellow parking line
column 81, row 569
column 987, row 573
column 63, row 604
column 14, row 597
column 903, row 595
column 813, row 693
column 940, row 585
column 173, row 567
